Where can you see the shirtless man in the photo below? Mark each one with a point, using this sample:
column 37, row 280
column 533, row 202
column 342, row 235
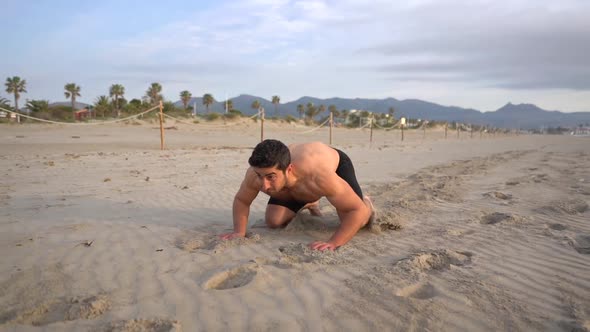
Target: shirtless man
column 295, row 178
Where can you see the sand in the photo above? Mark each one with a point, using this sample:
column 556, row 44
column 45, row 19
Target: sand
column 102, row 231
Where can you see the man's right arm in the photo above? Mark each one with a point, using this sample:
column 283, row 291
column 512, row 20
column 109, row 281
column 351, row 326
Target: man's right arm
column 241, row 206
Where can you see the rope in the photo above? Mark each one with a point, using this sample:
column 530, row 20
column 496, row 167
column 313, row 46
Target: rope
column 387, row 129
column 177, row 119
column 208, row 125
column 365, row 126
column 316, row 128
column 81, row 124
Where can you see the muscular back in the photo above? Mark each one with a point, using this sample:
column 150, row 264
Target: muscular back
column 312, row 159
column 314, row 165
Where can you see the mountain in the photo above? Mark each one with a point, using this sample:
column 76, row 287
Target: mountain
column 524, row 116
column 531, row 116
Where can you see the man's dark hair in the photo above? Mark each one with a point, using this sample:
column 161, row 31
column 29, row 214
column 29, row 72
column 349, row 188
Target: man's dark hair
column 270, row 153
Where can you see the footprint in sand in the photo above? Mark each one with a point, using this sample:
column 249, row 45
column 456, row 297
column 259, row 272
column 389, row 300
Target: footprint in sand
column 582, row 244
column 420, row 291
column 498, row 195
column 231, row 279
column 538, row 178
column 59, row 310
column 498, row 217
column 460, row 232
column 557, row 227
column 194, row 241
column 573, row 326
column 144, row 325
column 435, row 260
column 571, row 207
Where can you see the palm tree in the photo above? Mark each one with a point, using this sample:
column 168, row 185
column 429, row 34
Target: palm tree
column 208, row 100
column 255, row 105
column 311, row 111
column 16, row 86
column 391, row 111
column 229, row 104
column 334, row 111
column 72, row 91
column 4, row 102
column 117, row 90
column 153, row 93
column 276, row 100
column 300, row 110
column 321, row 109
column 102, row 104
column 185, row 96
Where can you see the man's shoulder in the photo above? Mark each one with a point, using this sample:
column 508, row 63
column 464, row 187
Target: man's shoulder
column 302, row 149
column 250, row 177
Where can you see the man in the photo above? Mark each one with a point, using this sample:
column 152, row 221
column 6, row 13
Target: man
column 295, row 178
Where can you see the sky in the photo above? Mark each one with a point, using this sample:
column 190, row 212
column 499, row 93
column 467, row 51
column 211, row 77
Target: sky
column 468, row 53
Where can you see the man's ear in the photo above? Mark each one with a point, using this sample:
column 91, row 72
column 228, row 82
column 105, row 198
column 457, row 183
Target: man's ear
column 289, row 168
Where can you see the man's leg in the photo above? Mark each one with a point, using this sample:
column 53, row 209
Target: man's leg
column 345, row 170
column 278, row 216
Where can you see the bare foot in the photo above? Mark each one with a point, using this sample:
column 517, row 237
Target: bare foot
column 373, row 215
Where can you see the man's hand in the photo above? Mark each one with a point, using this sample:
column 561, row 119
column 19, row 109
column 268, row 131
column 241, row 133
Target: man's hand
column 229, row 236
column 321, row 246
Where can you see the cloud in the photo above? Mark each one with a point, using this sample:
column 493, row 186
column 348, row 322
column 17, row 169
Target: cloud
column 529, row 48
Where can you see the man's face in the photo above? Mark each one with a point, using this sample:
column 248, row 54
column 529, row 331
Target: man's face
column 272, row 179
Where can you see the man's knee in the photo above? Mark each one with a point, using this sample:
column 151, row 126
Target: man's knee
column 277, row 217
column 274, row 223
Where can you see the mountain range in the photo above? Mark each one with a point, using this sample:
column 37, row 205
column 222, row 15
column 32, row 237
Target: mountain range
column 514, row 116
column 524, row 116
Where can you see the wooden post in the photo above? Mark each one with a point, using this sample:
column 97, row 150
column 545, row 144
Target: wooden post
column 457, row 130
column 371, row 135
column 446, row 128
column 331, row 125
column 261, row 114
column 424, row 129
column 402, row 132
column 161, row 126
column 471, row 131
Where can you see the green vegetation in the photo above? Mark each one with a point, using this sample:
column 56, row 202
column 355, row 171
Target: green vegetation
column 212, row 116
column 233, row 114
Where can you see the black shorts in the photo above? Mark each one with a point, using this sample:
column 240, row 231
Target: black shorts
column 345, row 170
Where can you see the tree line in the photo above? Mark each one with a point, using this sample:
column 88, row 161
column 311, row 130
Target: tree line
column 114, row 104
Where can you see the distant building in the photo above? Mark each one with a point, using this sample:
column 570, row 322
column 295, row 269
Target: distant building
column 82, row 114
column 581, row 131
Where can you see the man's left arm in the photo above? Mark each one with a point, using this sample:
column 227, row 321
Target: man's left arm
column 351, row 209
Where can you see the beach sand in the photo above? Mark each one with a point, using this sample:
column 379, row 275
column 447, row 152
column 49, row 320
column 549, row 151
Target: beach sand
column 102, row 231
